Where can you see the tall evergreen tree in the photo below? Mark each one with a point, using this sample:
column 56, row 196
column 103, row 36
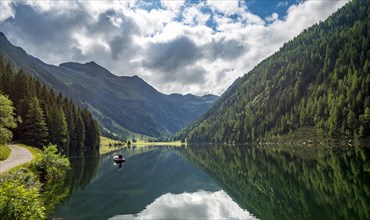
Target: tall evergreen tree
column 6, row 79
column 57, row 127
column 70, row 114
column 80, row 133
column 92, row 137
column 34, row 125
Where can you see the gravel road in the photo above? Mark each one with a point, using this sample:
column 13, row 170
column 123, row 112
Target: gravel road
column 18, row 156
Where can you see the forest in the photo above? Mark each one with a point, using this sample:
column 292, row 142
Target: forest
column 318, row 84
column 43, row 117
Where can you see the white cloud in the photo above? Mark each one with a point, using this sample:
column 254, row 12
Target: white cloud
column 198, row 205
column 194, row 16
column 273, row 17
column 225, row 7
column 6, row 10
column 170, row 46
column 173, row 5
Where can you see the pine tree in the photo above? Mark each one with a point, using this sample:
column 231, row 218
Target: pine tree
column 70, row 114
column 57, row 127
column 80, row 132
column 91, row 130
column 34, row 127
column 6, row 79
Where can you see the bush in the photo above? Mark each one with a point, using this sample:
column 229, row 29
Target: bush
column 4, row 152
column 20, row 196
column 25, row 193
column 51, row 166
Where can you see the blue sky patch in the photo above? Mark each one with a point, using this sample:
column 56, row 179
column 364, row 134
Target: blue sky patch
column 265, row 8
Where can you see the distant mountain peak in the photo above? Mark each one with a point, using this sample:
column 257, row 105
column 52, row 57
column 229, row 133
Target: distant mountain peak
column 2, row 35
column 210, row 96
column 91, row 68
column 77, row 64
column 93, row 63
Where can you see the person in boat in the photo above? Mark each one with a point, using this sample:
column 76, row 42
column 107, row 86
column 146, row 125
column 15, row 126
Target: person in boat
column 120, row 156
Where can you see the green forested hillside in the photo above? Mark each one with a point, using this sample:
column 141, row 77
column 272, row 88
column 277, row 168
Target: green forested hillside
column 44, row 117
column 319, row 82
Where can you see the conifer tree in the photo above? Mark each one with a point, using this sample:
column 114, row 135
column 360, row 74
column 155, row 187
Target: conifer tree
column 57, row 127
column 91, row 130
column 70, row 114
column 34, row 125
column 80, row 132
column 6, row 79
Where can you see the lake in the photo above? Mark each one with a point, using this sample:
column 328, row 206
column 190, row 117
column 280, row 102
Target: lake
column 213, row 182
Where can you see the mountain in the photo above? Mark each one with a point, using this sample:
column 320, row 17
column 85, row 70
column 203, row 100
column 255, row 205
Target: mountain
column 123, row 105
column 194, row 104
column 316, row 85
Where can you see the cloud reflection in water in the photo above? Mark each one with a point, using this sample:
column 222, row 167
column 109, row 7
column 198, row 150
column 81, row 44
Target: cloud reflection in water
column 198, row 205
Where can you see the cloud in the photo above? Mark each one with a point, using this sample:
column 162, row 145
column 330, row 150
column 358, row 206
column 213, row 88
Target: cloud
column 198, row 205
column 193, row 15
column 226, row 49
column 176, row 46
column 224, row 7
column 6, row 10
column 172, row 5
column 175, row 61
column 43, row 31
column 282, row 4
column 170, row 56
column 273, row 17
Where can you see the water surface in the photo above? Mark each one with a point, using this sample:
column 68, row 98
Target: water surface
column 212, row 182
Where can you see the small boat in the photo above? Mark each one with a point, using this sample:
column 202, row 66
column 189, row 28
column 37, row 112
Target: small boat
column 119, row 159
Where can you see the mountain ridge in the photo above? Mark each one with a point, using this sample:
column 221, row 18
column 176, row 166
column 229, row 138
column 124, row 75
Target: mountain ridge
column 123, row 105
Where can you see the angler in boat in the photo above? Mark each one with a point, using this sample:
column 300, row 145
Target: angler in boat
column 119, row 158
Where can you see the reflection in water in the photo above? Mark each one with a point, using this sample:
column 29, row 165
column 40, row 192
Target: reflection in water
column 148, row 174
column 197, row 205
column 290, row 182
column 83, row 169
column 269, row 182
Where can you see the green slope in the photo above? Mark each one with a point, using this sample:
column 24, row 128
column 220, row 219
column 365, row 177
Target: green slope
column 319, row 82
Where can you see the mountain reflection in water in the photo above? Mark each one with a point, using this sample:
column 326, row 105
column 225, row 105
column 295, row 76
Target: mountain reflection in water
column 264, row 182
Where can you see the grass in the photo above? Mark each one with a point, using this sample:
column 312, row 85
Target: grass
column 4, row 152
column 108, row 145
column 145, row 143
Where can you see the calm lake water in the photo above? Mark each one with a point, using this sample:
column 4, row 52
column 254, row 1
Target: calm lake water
column 213, row 182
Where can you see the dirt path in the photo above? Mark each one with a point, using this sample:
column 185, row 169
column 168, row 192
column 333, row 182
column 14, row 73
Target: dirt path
column 18, row 156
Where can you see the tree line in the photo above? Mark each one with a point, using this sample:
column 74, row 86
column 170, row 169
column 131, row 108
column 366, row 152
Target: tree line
column 318, row 83
column 43, row 117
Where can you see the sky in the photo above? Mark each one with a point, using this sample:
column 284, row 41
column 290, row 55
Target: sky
column 177, row 46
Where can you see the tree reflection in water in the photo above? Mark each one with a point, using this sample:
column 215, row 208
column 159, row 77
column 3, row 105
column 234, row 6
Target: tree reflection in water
column 290, row 182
